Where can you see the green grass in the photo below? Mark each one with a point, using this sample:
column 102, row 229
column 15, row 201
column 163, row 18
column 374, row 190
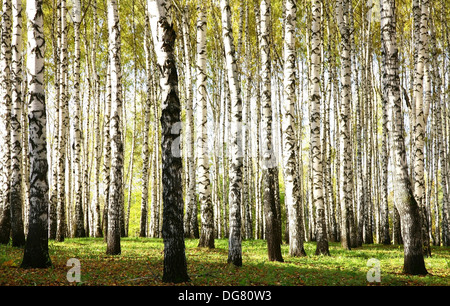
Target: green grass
column 141, row 263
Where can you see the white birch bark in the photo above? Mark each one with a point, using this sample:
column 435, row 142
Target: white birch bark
column 106, row 168
column 96, row 222
column 56, row 27
column 204, row 186
column 405, row 203
column 78, row 230
column 315, row 100
column 189, row 124
column 344, row 121
column 145, row 145
column 269, row 160
column 17, row 229
column 234, row 243
column 117, row 147
column 62, row 133
column 175, row 267
column 290, row 144
column 420, row 115
column 5, row 123
column 36, row 248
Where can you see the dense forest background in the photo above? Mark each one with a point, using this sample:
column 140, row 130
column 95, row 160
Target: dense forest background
column 78, row 118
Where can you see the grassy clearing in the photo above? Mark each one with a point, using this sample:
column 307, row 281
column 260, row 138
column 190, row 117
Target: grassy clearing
column 141, row 263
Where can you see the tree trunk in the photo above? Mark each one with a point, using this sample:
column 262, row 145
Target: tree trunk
column 62, row 134
column 405, row 203
column 17, row 229
column 385, row 239
column 175, row 267
column 204, row 186
column 106, row 170
column 117, row 147
column 315, row 100
column 79, row 230
column 269, row 166
column 96, row 222
column 145, row 146
column 290, row 144
column 345, row 191
column 190, row 187
column 56, row 28
column 36, row 248
column 235, row 145
column 5, row 128
column 420, row 14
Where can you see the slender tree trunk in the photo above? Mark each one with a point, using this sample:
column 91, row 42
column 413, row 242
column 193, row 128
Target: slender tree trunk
column 52, row 226
column 258, row 199
column 420, row 117
column 175, row 267
column 117, row 146
column 269, row 166
column 385, row 239
column 190, row 187
column 96, row 222
column 5, row 128
column 290, row 148
column 315, row 98
column 17, row 229
column 345, row 190
column 204, row 186
column 106, row 170
column 407, row 206
column 235, row 146
column 247, row 198
column 79, row 230
column 62, row 134
column 145, row 145
column 36, row 248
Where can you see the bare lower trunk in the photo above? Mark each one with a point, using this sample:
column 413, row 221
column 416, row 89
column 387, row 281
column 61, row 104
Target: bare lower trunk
column 116, row 188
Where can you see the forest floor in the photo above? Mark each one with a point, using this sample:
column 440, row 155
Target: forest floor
column 141, row 263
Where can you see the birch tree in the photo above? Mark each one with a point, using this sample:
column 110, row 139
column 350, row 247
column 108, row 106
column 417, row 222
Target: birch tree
column 5, row 127
column 96, row 222
column 315, row 100
column 421, row 112
column 62, row 133
column 106, row 168
column 78, row 229
column 17, row 228
column 290, row 144
column 56, row 42
column 204, row 186
column 145, row 145
column 269, row 163
column 175, row 267
column 36, row 248
column 189, row 130
column 235, row 173
column 404, row 200
column 116, row 187
column 345, row 160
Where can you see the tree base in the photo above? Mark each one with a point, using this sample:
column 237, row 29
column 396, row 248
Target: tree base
column 322, row 248
column 414, row 265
